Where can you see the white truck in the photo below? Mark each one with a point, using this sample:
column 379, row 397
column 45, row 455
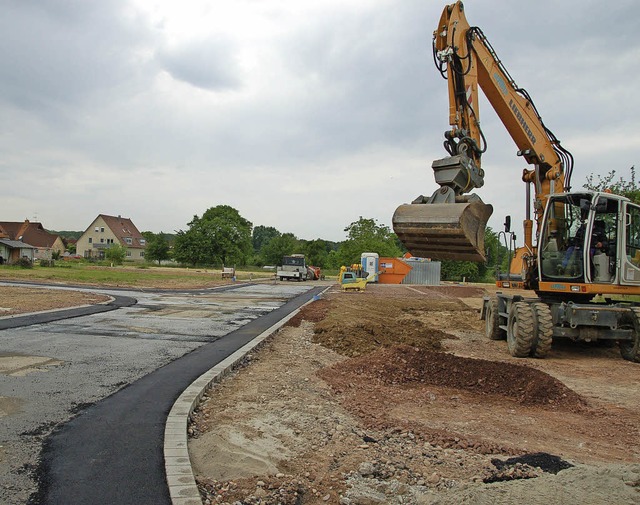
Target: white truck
column 293, row 267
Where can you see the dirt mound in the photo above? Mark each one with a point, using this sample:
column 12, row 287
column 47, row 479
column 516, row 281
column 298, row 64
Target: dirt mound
column 406, row 365
column 363, row 324
column 312, row 312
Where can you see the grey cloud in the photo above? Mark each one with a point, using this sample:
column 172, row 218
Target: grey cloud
column 368, row 75
column 208, row 64
column 57, row 54
column 354, row 81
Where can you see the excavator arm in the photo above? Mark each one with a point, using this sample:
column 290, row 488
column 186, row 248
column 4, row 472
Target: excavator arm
column 450, row 223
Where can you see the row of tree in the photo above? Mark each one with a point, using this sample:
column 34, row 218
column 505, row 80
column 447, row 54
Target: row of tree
column 221, row 236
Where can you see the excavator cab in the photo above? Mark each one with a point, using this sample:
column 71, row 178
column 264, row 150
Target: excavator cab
column 590, row 238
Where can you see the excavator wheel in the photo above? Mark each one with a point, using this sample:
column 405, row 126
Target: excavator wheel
column 492, row 321
column 543, row 330
column 520, row 333
column 630, row 349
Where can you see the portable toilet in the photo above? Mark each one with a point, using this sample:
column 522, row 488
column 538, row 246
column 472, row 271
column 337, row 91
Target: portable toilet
column 370, row 263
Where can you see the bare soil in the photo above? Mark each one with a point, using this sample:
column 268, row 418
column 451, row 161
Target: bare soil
column 394, row 395
column 20, row 300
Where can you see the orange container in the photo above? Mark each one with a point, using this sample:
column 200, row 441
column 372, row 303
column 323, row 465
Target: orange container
column 393, row 270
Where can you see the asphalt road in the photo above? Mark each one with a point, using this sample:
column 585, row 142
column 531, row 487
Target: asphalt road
column 102, row 385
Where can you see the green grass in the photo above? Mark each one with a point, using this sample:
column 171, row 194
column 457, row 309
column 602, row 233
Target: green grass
column 143, row 275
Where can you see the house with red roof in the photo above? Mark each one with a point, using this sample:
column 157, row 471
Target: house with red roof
column 37, row 243
column 105, row 231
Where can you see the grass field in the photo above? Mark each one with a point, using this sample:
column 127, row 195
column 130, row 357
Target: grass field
column 127, row 275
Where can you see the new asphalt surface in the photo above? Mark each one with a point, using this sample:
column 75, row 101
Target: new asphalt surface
column 58, row 315
column 112, row 453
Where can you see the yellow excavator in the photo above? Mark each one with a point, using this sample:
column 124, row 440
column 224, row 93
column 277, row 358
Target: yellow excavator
column 583, row 267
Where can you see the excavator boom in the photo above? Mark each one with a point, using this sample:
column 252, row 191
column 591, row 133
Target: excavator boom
column 450, row 224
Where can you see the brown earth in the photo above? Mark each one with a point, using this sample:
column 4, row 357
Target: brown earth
column 395, row 395
column 20, row 300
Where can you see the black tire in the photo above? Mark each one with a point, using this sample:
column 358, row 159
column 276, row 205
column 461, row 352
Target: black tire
column 520, row 330
column 630, row 349
column 492, row 322
column 542, row 329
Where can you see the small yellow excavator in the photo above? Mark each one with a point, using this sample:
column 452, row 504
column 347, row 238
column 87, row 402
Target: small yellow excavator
column 585, row 260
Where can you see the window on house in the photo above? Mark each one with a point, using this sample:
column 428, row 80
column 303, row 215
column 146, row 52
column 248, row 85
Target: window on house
column 102, row 241
column 142, row 241
column 90, row 240
column 97, row 229
column 128, row 240
column 142, row 254
column 102, row 229
column 129, row 254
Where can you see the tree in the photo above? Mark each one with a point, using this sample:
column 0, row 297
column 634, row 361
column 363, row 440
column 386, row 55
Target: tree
column 157, row 247
column 497, row 259
column 365, row 235
column 220, row 237
column 630, row 188
column 284, row 245
column 262, row 235
column 316, row 252
column 459, row 270
column 116, row 253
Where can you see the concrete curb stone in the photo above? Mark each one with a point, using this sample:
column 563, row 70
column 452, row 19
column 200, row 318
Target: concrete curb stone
column 180, row 478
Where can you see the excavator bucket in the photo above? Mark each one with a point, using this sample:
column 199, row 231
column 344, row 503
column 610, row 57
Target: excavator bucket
column 443, row 231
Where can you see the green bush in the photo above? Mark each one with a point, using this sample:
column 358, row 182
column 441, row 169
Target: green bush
column 24, row 263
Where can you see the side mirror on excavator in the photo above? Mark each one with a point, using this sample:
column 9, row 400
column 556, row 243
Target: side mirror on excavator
column 601, row 205
column 507, row 224
column 585, row 207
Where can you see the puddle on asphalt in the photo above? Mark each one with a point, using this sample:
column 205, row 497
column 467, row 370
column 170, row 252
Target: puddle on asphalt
column 10, row 406
column 211, row 312
column 19, row 365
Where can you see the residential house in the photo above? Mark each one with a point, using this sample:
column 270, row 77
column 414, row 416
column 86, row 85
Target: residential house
column 11, row 251
column 106, row 231
column 43, row 243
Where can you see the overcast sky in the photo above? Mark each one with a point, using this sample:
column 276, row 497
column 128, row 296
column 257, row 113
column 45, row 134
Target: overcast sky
column 302, row 115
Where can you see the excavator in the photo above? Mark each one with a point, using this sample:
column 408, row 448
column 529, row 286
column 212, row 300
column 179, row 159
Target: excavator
column 583, row 265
